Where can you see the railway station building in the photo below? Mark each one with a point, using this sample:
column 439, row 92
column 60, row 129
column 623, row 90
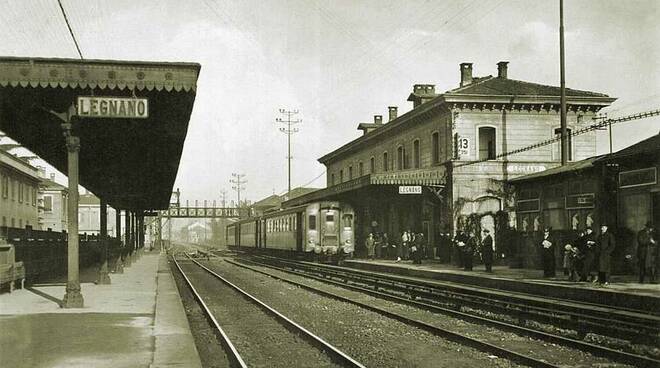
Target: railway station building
column 439, row 167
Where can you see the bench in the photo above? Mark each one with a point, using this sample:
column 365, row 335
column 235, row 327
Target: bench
column 10, row 270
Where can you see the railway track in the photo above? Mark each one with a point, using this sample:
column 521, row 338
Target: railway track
column 254, row 325
column 420, row 294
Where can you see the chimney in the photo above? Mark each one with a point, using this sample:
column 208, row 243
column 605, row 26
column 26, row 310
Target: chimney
column 421, row 93
column 502, row 69
column 378, row 119
column 393, row 112
column 466, row 74
column 52, row 176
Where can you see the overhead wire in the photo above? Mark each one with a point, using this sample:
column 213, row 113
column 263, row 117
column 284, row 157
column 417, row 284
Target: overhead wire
column 73, row 36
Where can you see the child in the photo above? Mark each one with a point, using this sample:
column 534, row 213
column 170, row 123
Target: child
column 568, row 259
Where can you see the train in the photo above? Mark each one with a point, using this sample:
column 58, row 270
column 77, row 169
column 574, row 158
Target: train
column 321, row 231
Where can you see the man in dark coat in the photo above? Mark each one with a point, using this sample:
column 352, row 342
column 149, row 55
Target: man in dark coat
column 606, row 245
column 647, row 249
column 590, row 251
column 548, row 253
column 460, row 241
column 468, row 251
column 487, row 251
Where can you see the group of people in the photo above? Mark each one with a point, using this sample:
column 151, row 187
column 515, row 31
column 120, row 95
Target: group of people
column 413, row 246
column 467, row 245
column 588, row 256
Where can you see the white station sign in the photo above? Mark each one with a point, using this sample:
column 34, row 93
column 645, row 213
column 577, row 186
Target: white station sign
column 410, row 189
column 112, row 107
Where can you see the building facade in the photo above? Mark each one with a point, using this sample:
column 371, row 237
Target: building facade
column 53, row 204
column 432, row 167
column 89, row 215
column 620, row 190
column 19, row 183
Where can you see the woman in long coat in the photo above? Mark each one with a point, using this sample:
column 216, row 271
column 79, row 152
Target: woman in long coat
column 548, row 251
column 606, row 244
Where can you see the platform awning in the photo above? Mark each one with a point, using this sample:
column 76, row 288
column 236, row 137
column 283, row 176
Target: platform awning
column 435, row 177
column 130, row 162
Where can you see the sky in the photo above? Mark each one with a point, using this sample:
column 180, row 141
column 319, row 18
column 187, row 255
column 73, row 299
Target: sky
column 341, row 62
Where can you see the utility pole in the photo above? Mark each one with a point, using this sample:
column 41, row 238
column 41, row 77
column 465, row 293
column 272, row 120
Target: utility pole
column 288, row 131
column 238, row 185
column 223, row 194
column 562, row 72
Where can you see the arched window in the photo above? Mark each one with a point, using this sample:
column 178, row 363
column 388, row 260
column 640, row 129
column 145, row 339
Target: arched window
column 341, row 175
column 372, row 165
column 399, row 158
column 332, row 181
column 360, row 169
column 385, row 165
column 435, row 148
column 416, row 154
column 350, row 172
column 486, row 143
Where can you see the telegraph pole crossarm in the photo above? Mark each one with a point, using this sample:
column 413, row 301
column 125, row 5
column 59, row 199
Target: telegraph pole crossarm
column 288, row 130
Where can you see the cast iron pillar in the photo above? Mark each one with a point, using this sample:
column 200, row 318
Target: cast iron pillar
column 141, row 232
column 73, row 297
column 103, row 277
column 127, row 234
column 119, row 264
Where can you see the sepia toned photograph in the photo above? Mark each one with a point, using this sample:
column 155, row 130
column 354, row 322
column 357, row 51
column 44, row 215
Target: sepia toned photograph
column 329, row 183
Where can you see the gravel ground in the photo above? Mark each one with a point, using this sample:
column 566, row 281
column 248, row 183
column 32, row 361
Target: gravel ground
column 550, row 352
column 260, row 339
column 210, row 350
column 370, row 338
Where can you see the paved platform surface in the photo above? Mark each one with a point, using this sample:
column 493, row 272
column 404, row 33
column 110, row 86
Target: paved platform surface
column 137, row 321
column 623, row 291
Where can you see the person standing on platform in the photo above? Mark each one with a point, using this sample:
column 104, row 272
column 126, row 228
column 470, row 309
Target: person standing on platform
column 589, row 256
column 468, row 251
column 405, row 243
column 385, row 246
column 369, row 244
column 580, row 249
column 647, row 253
column 377, row 245
column 460, row 241
column 548, row 254
column 487, row 250
column 606, row 245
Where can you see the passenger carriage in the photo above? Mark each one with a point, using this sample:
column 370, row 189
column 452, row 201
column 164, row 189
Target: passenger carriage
column 320, row 230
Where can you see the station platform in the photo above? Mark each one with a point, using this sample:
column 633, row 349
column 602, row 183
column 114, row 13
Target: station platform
column 623, row 292
column 137, row 321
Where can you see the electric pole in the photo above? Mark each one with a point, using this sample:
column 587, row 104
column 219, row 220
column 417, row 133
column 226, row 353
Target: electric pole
column 562, row 73
column 223, row 194
column 288, row 130
column 238, row 185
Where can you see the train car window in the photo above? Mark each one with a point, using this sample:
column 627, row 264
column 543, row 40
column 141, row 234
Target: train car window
column 312, row 222
column 347, row 220
column 329, row 218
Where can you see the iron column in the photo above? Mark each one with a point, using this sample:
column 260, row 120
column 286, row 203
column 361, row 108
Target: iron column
column 73, row 297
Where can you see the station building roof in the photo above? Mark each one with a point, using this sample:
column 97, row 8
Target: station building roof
column 132, row 163
column 498, row 90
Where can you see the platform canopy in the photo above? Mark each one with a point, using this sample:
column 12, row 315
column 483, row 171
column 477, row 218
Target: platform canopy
column 129, row 162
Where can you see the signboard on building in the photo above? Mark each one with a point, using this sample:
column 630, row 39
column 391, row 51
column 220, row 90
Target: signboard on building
column 576, row 201
column 112, row 107
column 209, row 212
column 463, row 146
column 635, row 178
column 410, row 189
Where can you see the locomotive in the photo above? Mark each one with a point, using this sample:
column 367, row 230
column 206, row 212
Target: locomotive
column 321, row 231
